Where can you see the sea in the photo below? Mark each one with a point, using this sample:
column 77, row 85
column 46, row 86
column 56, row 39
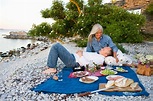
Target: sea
column 11, row 44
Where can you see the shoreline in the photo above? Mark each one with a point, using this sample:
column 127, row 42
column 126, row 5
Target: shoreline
column 20, row 74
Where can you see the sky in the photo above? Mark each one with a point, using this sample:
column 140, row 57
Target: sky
column 22, row 14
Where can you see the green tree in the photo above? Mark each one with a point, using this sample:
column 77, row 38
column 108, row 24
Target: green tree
column 121, row 25
column 43, row 29
column 149, row 9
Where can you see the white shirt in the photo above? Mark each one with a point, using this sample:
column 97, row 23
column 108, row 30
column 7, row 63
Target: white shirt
column 89, row 57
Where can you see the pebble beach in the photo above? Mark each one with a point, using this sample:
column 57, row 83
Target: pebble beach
column 20, row 74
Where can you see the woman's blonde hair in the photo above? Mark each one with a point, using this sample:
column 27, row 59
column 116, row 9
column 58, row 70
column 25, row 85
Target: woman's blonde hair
column 93, row 31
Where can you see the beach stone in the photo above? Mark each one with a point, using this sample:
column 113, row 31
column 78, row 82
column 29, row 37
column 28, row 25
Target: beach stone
column 25, row 71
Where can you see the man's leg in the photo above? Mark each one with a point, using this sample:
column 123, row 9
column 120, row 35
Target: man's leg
column 56, row 51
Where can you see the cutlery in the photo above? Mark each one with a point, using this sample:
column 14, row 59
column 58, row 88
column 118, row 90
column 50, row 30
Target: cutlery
column 95, row 91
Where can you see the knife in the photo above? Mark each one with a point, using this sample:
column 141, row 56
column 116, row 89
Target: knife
column 95, row 91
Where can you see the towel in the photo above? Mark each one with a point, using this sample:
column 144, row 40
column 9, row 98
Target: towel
column 73, row 85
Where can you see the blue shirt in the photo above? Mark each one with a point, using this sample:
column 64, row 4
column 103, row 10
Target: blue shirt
column 105, row 41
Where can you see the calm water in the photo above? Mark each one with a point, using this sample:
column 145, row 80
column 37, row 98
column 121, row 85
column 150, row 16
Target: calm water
column 10, row 44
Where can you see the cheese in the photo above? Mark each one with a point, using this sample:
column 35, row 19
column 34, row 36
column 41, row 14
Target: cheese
column 123, row 82
column 109, row 84
column 134, row 85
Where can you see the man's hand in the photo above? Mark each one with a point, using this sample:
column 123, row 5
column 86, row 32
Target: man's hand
column 80, row 53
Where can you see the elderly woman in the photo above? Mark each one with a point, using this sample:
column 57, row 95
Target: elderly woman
column 97, row 40
column 77, row 59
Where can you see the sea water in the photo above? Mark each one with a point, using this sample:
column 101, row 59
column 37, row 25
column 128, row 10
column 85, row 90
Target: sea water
column 10, row 44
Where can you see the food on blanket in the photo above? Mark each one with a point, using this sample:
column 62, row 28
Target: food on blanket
column 80, row 73
column 134, row 85
column 55, row 77
column 109, row 84
column 108, row 72
column 114, row 77
column 120, row 69
column 88, row 79
column 123, row 82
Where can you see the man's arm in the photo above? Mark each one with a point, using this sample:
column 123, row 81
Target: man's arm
column 82, row 61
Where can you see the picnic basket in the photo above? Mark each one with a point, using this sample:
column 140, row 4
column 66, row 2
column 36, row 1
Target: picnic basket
column 145, row 69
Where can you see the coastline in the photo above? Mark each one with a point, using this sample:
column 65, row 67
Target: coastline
column 19, row 74
column 14, row 40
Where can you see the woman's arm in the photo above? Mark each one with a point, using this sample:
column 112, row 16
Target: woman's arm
column 115, row 56
column 112, row 45
column 114, row 48
column 89, row 48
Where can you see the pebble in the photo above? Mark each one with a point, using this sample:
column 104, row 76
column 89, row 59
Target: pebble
column 17, row 86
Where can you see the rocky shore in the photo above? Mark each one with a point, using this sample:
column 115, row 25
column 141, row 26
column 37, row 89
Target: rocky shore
column 19, row 74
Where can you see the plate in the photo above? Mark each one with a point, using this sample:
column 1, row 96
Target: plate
column 108, row 72
column 80, row 73
column 88, row 79
column 120, row 69
column 114, row 77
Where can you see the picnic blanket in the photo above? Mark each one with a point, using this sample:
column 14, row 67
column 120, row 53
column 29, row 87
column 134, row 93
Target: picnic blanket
column 73, row 86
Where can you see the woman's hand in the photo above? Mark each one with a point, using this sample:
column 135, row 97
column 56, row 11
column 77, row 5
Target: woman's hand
column 115, row 56
column 117, row 60
column 80, row 53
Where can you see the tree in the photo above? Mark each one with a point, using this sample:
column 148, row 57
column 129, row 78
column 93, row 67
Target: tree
column 43, row 29
column 121, row 25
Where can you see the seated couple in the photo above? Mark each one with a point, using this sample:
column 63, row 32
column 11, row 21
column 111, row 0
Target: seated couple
column 77, row 59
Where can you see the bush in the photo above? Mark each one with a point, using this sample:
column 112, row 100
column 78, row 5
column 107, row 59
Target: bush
column 81, row 42
column 119, row 24
column 149, row 9
column 43, row 29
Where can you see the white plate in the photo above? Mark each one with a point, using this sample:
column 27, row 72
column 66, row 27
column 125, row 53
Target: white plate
column 88, row 79
column 122, row 69
column 80, row 73
column 114, row 77
column 115, row 72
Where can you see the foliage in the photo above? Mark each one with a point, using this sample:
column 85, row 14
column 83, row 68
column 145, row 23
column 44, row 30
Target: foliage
column 144, row 59
column 82, row 42
column 121, row 25
column 56, row 11
column 120, row 47
column 148, row 36
column 43, row 29
column 149, row 9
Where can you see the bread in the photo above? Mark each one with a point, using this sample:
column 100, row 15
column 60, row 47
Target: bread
column 109, row 84
column 123, row 82
column 55, row 77
column 134, row 85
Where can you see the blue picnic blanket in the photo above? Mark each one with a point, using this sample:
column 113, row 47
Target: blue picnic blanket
column 72, row 85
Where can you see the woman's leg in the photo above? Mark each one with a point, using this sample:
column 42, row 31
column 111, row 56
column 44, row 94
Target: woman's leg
column 57, row 50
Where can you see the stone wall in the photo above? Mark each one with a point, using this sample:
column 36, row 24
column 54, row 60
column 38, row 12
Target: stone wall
column 138, row 4
column 133, row 4
column 17, row 35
